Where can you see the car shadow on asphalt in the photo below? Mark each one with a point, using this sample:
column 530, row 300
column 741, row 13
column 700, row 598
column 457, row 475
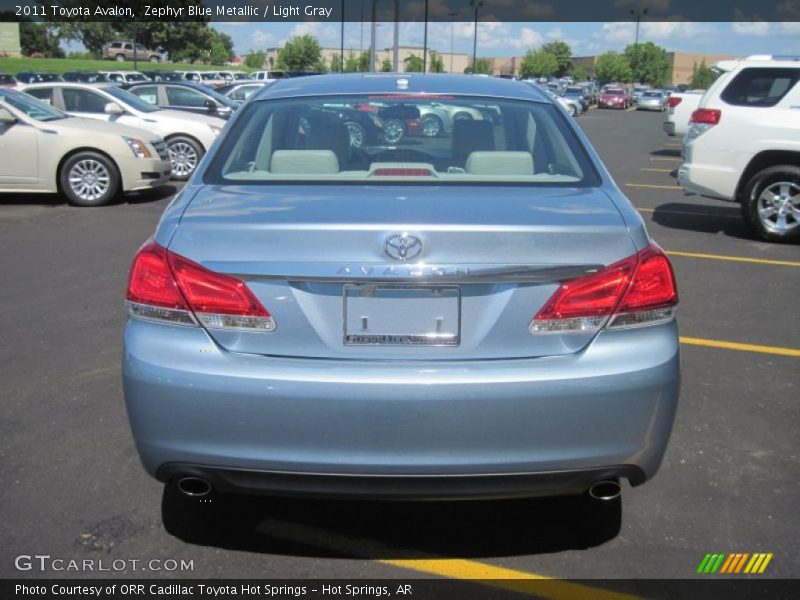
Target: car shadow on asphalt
column 392, row 530
column 143, row 197
column 703, row 219
column 676, row 153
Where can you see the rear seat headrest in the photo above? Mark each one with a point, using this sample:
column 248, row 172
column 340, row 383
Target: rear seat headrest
column 298, row 162
column 499, row 163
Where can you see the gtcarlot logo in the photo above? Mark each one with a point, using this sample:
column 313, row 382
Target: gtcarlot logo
column 46, row 563
column 734, row 563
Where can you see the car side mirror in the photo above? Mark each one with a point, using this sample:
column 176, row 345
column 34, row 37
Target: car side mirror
column 6, row 118
column 211, row 106
column 112, row 108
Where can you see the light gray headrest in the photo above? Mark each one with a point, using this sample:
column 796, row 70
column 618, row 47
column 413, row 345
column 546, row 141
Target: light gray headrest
column 298, row 162
column 499, row 163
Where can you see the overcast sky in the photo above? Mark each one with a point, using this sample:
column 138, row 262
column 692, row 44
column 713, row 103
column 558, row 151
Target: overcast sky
column 509, row 39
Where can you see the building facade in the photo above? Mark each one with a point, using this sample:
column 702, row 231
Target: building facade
column 9, row 40
column 453, row 63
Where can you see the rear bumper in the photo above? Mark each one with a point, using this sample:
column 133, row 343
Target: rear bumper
column 669, row 128
column 485, row 427
column 388, row 487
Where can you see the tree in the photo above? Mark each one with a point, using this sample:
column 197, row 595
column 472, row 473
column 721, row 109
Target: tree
column 538, row 64
column 386, row 66
column 255, row 60
column 649, row 63
column 413, row 64
column 702, row 77
column 300, row 53
column 357, row 64
column 336, row 63
column 221, row 47
column 482, row 66
column 579, row 73
column 612, row 66
column 563, row 53
column 41, row 38
column 436, row 63
column 320, row 66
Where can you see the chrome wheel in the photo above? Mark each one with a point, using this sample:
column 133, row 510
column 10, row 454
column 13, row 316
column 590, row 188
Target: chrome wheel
column 183, row 157
column 431, row 126
column 89, row 180
column 356, row 134
column 779, row 207
column 393, row 130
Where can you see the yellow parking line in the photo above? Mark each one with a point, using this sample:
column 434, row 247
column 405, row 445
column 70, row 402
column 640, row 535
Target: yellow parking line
column 795, row 352
column 760, row 261
column 657, row 170
column 650, row 186
column 631, row 109
column 452, row 568
column 670, row 158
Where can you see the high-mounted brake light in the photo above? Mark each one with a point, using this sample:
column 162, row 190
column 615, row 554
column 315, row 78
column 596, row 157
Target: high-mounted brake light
column 165, row 286
column 638, row 290
column 706, row 116
column 673, row 101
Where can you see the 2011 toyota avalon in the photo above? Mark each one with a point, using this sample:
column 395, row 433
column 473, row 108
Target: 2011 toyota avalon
column 478, row 314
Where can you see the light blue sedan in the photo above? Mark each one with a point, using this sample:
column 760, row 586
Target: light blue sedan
column 477, row 314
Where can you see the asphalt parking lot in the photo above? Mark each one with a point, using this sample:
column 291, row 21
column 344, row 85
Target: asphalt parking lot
column 74, row 488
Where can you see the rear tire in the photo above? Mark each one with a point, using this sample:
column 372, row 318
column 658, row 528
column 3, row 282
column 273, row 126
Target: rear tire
column 394, row 130
column 358, row 135
column 155, row 59
column 119, row 58
column 573, row 112
column 89, row 179
column 431, row 126
column 184, row 154
column 771, row 204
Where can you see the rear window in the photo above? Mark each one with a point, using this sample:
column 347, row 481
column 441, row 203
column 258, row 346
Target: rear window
column 760, row 87
column 613, row 91
column 651, row 95
column 395, row 138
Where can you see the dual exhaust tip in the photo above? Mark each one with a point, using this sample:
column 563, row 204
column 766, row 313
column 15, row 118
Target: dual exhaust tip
column 605, row 490
column 194, row 487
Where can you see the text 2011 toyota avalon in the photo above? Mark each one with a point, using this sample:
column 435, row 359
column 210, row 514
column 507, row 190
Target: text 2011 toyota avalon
column 478, row 313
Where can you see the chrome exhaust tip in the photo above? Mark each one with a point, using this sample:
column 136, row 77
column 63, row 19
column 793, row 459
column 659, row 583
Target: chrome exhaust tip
column 605, row 490
column 195, row 487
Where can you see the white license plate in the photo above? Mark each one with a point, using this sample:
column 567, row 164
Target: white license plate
column 381, row 314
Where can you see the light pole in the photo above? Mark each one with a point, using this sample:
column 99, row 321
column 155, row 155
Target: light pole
column 425, row 42
column 341, row 44
column 638, row 14
column 452, row 16
column 477, row 4
column 373, row 30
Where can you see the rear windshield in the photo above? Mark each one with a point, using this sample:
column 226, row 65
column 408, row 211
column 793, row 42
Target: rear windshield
column 651, row 95
column 613, row 92
column 401, row 138
column 760, row 87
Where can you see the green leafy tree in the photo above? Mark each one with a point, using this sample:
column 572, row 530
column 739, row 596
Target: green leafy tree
column 357, row 63
column 436, row 63
column 336, row 63
column 538, row 64
column 320, row 66
column 386, row 66
column 221, row 47
column 413, row 64
column 41, row 38
column 649, row 63
column 702, row 77
column 612, row 66
column 255, row 60
column 482, row 66
column 301, row 53
column 579, row 73
column 563, row 53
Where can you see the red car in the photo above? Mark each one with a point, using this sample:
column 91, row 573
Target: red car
column 614, row 97
column 7, row 80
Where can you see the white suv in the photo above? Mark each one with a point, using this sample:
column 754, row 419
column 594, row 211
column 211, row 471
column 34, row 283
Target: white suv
column 743, row 143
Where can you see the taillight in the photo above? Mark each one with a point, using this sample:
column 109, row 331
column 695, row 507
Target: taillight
column 638, row 290
column 706, row 116
column 672, row 102
column 165, row 286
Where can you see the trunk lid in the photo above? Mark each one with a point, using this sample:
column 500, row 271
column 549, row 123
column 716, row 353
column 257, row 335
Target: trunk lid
column 316, row 256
